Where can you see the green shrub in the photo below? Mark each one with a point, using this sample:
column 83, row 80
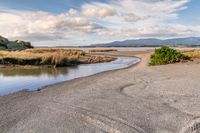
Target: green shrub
column 166, row 55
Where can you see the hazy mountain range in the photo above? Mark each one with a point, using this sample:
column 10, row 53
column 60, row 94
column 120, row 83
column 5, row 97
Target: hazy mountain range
column 189, row 41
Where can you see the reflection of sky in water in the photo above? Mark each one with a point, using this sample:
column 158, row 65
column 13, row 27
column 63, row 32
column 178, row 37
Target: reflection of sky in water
column 13, row 81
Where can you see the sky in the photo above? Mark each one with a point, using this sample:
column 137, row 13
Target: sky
column 85, row 22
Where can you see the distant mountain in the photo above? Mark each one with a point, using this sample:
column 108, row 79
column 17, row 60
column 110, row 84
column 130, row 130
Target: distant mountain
column 190, row 41
column 5, row 44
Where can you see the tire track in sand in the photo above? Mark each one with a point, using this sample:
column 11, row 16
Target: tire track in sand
column 106, row 123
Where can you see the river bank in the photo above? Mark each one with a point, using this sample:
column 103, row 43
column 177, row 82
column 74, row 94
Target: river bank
column 15, row 79
column 139, row 99
column 49, row 57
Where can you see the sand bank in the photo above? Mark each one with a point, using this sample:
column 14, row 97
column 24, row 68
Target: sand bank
column 139, row 99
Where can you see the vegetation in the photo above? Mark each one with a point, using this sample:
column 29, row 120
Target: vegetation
column 5, row 44
column 51, row 57
column 193, row 53
column 101, row 50
column 69, row 52
column 3, row 47
column 167, row 55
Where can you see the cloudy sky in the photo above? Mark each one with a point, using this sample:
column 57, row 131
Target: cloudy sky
column 84, row 22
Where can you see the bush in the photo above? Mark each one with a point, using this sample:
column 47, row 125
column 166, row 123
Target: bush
column 166, row 55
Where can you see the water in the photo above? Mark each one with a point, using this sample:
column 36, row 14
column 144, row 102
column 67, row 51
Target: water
column 32, row 79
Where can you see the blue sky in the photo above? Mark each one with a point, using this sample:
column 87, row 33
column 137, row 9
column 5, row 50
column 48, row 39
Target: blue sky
column 59, row 6
column 83, row 22
column 191, row 15
column 53, row 6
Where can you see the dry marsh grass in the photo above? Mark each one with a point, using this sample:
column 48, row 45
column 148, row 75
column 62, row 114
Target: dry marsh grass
column 55, row 57
column 101, row 50
column 193, row 53
column 69, row 52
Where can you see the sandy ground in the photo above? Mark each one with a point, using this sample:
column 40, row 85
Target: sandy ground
column 139, row 99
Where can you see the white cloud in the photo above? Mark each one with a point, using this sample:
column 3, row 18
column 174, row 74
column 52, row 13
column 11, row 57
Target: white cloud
column 98, row 10
column 98, row 22
column 28, row 24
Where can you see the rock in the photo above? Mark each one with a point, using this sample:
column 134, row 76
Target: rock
column 5, row 44
column 3, row 40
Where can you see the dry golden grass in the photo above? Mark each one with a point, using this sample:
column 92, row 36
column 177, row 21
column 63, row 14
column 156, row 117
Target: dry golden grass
column 69, row 52
column 186, row 50
column 96, row 59
column 101, row 50
column 193, row 53
column 40, row 53
column 56, row 57
column 45, row 56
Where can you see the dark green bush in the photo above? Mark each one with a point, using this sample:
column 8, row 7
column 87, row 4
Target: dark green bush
column 167, row 55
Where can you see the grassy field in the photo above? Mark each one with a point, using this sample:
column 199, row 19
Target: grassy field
column 54, row 57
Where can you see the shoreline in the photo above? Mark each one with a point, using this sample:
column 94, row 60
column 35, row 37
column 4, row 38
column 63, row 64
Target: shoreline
column 50, row 85
column 150, row 99
column 96, row 74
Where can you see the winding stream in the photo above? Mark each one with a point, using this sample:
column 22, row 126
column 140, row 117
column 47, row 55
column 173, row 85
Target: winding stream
column 32, row 79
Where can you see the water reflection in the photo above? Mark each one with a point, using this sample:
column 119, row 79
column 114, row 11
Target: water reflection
column 13, row 80
column 35, row 72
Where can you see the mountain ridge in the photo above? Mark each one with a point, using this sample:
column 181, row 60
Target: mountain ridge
column 188, row 41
